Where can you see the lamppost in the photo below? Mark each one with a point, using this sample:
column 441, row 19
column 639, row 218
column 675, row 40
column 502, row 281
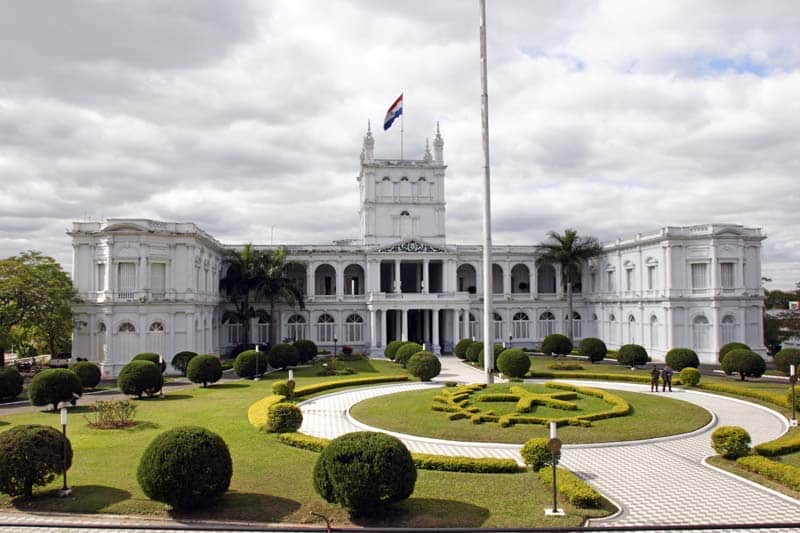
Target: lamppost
column 256, row 378
column 65, row 490
column 554, row 446
column 793, row 380
column 335, row 340
column 161, row 369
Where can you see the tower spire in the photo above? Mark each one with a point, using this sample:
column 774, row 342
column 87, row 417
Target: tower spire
column 438, row 145
column 367, row 150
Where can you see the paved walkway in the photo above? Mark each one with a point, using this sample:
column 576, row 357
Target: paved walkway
column 654, row 482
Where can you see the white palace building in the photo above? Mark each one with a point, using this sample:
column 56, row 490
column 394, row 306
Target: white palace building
column 148, row 285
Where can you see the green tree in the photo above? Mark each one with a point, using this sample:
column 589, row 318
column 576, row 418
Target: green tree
column 35, row 295
column 571, row 252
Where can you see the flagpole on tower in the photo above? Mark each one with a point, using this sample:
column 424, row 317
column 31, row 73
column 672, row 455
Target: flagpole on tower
column 401, row 127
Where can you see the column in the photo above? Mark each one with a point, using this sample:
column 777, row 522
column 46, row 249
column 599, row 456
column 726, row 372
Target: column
column 142, row 277
column 404, row 325
column 717, row 328
column 559, row 285
column 714, row 269
column 310, row 287
column 534, row 280
column 340, row 290
column 668, row 273
column 425, row 326
column 426, row 264
column 397, row 287
column 507, row 288
column 384, row 327
column 107, row 273
column 372, row 338
column 456, row 333
column 435, row 340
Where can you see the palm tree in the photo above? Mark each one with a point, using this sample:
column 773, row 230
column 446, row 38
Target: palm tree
column 571, row 252
column 277, row 286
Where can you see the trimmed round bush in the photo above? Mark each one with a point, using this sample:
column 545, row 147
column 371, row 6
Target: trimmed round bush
column 535, row 453
column 283, row 356
column 424, row 365
column 460, row 350
column 248, row 361
column 284, row 417
column 54, row 385
column 186, row 467
column 391, row 349
column 11, row 382
column 786, row 357
column 204, row 369
column 746, row 363
column 152, row 357
column 473, row 351
column 138, row 378
column 181, row 360
column 690, row 376
column 281, row 388
column 306, row 350
column 514, row 363
column 405, row 352
column 731, row 442
column 556, row 343
column 497, row 349
column 593, row 348
column 31, row 455
column 680, row 358
column 632, row 355
column 731, row 346
column 88, row 373
column 364, row 472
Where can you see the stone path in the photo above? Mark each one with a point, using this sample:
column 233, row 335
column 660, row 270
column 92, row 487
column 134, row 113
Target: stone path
column 660, row 481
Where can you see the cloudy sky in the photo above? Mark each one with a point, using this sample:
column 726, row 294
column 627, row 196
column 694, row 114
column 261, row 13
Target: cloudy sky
column 247, row 117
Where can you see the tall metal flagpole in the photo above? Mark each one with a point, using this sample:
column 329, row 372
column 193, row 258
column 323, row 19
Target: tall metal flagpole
column 401, row 124
column 488, row 344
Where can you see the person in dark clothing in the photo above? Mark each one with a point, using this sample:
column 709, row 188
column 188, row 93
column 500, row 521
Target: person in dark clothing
column 654, row 379
column 666, row 379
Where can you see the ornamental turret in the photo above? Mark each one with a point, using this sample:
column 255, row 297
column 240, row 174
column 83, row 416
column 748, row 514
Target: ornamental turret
column 367, row 151
column 438, row 146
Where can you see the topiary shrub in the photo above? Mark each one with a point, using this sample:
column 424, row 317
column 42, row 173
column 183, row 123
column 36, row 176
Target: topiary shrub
column 535, row 453
column 54, row 385
column 284, row 417
column 424, row 365
column 497, row 349
column 680, row 358
column 281, row 388
column 152, row 357
column 514, row 363
column 557, row 344
column 185, row 467
column 88, row 373
column 786, row 357
column 31, row 455
column 181, row 360
column 405, row 352
column 391, row 349
column 306, row 350
column 204, row 369
column 473, row 351
column 11, row 382
column 731, row 346
column 731, row 442
column 248, row 362
column 690, row 377
column 593, row 348
column 460, row 350
column 744, row 362
column 283, row 356
column 632, row 355
column 138, row 378
column 364, row 472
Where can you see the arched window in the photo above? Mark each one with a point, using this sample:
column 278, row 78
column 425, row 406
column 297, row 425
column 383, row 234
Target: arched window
column 404, row 213
column 126, row 327
column 354, row 280
column 654, row 331
column 520, row 325
column 325, row 280
column 497, row 327
column 728, row 329
column 700, row 330
column 326, row 328
column 156, row 327
column 466, row 278
column 101, row 328
column 156, row 338
column 547, row 324
column 520, row 279
column 546, row 279
column 101, row 342
column 473, row 327
column 232, row 329
column 262, row 326
column 296, row 327
column 422, row 178
column 576, row 324
column 354, row 328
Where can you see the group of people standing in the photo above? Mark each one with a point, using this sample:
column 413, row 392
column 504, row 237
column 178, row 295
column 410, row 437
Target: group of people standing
column 666, row 379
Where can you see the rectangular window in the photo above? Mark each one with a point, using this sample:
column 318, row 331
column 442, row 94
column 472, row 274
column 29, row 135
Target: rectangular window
column 610, row 280
column 126, row 279
column 651, row 277
column 593, row 280
column 726, row 275
column 699, row 276
column 158, row 276
column 629, row 279
column 101, row 277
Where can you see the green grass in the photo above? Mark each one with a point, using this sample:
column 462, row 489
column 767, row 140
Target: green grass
column 653, row 416
column 271, row 481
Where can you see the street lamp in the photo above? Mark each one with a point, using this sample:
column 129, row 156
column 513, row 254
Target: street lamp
column 161, row 369
column 335, row 340
column 65, row 490
column 554, row 446
column 256, row 378
column 793, row 380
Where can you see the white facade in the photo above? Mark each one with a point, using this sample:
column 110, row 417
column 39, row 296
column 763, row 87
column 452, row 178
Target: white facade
column 154, row 286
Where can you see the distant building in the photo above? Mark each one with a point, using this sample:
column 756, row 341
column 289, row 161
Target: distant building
column 154, row 286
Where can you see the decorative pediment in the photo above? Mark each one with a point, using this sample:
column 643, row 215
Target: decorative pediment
column 411, row 246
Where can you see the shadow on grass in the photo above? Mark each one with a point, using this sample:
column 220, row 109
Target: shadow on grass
column 84, row 499
column 227, row 386
column 426, row 512
column 244, row 506
column 168, row 396
column 3, row 423
column 77, row 410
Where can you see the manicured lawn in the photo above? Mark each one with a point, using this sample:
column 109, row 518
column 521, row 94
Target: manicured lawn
column 653, row 416
column 271, row 481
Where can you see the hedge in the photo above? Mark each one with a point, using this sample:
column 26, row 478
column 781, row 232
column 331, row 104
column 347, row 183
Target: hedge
column 593, row 348
column 556, row 343
column 731, row 441
column 181, row 359
column 731, row 346
column 785, row 474
column 690, row 376
column 405, row 352
column 743, row 362
column 680, row 358
column 245, row 363
column 153, row 358
column 88, row 373
column 786, row 357
column 473, row 350
column 327, row 385
column 140, row 377
column 284, row 417
column 283, row 356
column 306, row 350
column 54, row 385
column 460, row 350
column 514, row 363
column 786, row 444
column 391, row 349
column 204, row 369
column 258, row 413
column 424, row 365
column 31, row 455
column 574, row 489
column 632, row 355
column 11, row 382
column 633, row 378
column 765, row 396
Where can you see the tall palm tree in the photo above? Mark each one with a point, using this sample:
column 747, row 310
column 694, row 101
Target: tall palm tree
column 571, row 252
column 277, row 286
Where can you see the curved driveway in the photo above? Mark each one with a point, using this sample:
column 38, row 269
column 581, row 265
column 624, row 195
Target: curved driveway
column 655, row 482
